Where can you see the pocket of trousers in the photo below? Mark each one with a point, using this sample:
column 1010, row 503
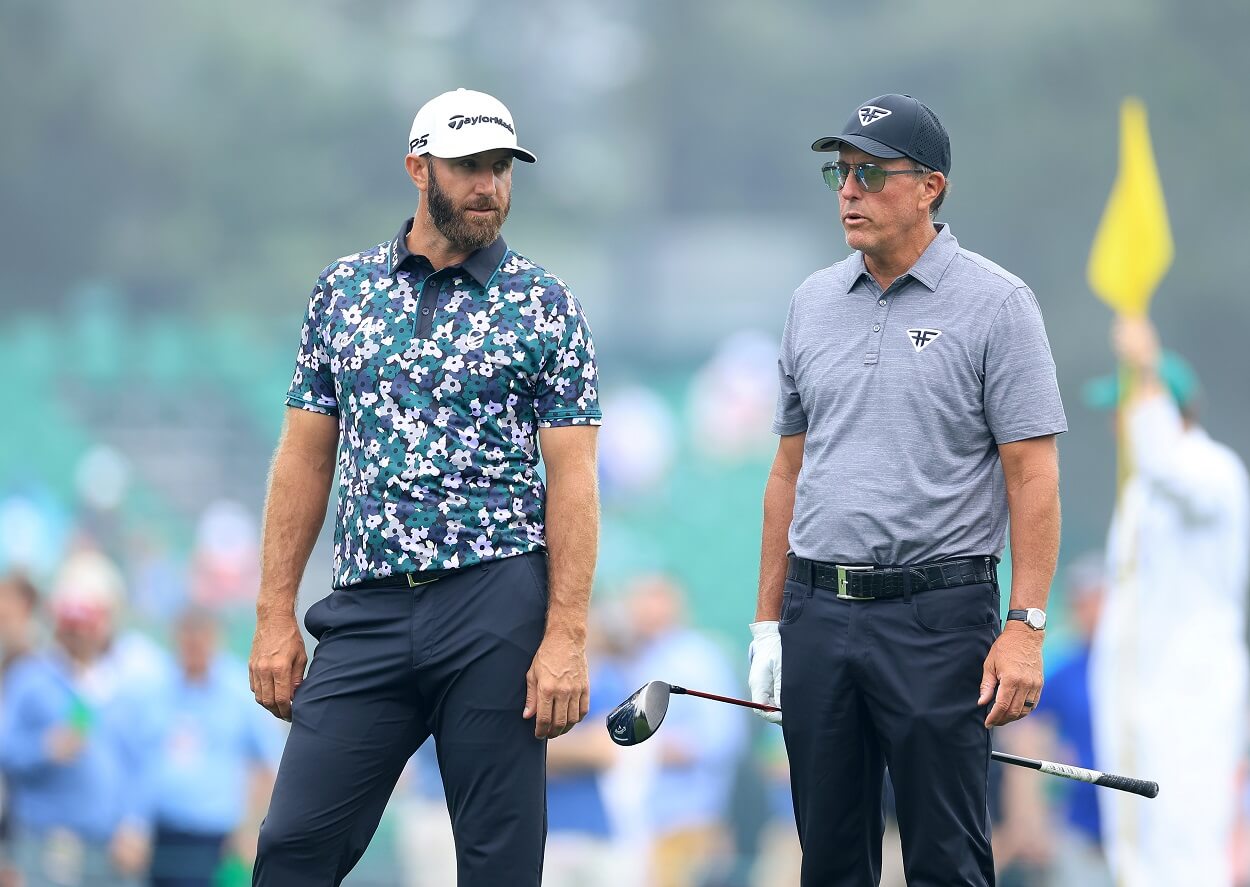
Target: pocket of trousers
column 317, row 617
column 965, row 608
column 537, row 563
column 792, row 602
column 337, row 610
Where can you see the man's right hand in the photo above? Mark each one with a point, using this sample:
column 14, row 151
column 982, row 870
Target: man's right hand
column 276, row 667
column 765, row 676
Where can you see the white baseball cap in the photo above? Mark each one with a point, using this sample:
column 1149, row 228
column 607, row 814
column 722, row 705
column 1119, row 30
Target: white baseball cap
column 464, row 122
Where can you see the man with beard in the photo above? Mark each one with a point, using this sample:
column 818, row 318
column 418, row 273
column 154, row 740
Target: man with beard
column 432, row 369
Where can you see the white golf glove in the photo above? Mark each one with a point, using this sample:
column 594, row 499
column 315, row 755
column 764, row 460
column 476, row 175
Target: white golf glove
column 765, row 675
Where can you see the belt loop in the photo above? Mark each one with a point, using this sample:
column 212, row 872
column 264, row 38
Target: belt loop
column 907, row 586
column 810, row 579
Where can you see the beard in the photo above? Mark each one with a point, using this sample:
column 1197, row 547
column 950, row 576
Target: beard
column 465, row 234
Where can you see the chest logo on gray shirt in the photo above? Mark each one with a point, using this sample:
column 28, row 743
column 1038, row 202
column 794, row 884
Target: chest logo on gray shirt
column 921, row 337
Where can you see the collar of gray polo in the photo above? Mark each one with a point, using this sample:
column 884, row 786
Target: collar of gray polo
column 928, row 269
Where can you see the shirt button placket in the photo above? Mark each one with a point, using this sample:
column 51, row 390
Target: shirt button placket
column 878, row 324
column 428, row 300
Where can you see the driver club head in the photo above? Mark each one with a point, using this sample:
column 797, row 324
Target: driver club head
column 639, row 716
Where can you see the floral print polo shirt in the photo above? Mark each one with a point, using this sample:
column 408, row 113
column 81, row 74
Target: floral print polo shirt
column 440, row 381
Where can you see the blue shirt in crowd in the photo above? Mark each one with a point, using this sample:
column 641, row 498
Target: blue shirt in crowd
column 210, row 737
column 575, row 799
column 105, row 784
column 714, row 735
column 1066, row 700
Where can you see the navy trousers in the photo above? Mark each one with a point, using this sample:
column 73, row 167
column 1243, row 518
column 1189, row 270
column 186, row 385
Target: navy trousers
column 393, row 667
column 889, row 683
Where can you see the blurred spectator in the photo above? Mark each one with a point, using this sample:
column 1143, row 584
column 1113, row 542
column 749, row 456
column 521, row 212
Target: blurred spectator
column 1169, row 670
column 101, row 478
column 780, row 857
column 215, row 755
column 226, row 562
column 71, row 747
column 1022, row 818
column 625, row 784
column 700, row 744
column 1063, row 840
column 636, row 455
column 33, row 532
column 130, row 661
column 581, row 848
column 158, row 585
column 733, row 396
column 18, row 599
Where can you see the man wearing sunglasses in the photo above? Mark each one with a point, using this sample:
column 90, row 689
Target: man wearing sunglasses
column 918, row 410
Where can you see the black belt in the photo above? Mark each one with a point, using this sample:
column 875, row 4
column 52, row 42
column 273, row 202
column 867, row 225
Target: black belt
column 404, row 580
column 860, row 582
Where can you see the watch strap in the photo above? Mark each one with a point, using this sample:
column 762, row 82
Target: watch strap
column 1023, row 616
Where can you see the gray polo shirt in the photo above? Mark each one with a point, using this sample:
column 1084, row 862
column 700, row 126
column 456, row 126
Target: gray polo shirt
column 905, row 396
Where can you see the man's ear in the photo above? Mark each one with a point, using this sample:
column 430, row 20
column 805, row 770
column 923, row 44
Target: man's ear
column 934, row 182
column 418, row 169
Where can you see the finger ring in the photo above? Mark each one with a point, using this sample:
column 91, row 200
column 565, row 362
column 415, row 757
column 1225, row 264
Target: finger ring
column 1028, row 704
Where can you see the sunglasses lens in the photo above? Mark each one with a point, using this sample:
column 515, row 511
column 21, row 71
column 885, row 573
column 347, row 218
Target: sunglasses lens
column 833, row 176
column 872, row 177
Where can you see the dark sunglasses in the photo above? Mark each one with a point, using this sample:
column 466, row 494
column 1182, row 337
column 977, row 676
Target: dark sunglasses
column 871, row 177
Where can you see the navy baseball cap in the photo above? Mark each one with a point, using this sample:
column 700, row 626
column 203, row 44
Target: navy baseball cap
column 894, row 126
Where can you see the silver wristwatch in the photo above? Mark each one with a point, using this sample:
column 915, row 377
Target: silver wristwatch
column 1032, row 617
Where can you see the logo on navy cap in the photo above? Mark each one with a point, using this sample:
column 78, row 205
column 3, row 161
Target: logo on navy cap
column 871, row 114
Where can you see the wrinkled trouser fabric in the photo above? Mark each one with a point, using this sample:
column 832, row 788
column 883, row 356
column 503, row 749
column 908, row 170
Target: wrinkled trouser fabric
column 889, row 683
column 394, row 666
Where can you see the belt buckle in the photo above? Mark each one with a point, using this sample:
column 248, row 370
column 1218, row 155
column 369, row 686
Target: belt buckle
column 842, row 592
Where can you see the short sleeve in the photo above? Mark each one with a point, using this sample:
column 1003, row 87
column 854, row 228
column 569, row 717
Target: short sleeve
column 1021, row 392
column 790, row 417
column 567, row 389
column 312, row 386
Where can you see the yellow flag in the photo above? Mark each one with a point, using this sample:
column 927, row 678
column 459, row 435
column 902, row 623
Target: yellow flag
column 1133, row 247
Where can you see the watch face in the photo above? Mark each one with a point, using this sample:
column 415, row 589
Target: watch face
column 1035, row 618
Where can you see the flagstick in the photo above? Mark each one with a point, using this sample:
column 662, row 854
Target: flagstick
column 1126, row 579
column 1131, row 253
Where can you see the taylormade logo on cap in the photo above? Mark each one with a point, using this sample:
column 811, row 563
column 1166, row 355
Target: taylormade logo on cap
column 464, row 122
column 459, row 120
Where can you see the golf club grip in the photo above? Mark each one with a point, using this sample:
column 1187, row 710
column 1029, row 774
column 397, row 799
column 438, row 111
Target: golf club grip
column 759, row 705
column 1143, row 787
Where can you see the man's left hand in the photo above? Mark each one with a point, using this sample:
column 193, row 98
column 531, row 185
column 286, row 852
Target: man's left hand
column 557, row 686
column 1013, row 669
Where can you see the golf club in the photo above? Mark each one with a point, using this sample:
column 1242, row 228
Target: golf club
column 637, row 718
